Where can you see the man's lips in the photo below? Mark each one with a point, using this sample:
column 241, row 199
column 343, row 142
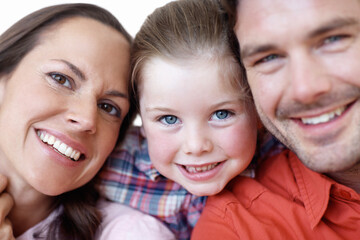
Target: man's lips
column 323, row 118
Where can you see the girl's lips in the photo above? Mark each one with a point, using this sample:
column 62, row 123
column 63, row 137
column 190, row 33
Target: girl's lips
column 201, row 173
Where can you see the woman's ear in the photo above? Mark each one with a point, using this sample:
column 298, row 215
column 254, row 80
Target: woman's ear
column 3, row 83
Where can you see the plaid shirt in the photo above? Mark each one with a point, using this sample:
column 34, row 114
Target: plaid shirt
column 129, row 177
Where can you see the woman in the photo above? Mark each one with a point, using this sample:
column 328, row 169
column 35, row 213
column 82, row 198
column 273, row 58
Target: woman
column 63, row 98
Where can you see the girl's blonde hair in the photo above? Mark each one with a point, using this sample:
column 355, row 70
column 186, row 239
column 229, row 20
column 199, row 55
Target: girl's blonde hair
column 185, row 30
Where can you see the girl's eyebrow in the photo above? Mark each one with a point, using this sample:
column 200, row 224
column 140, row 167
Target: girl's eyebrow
column 73, row 68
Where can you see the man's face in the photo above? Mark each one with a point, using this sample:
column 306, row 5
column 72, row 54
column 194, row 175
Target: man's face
column 303, row 64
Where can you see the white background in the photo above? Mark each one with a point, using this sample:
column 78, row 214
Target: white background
column 131, row 13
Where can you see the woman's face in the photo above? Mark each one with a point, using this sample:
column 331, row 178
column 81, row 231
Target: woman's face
column 62, row 107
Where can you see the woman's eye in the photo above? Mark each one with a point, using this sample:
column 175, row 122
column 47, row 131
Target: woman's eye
column 169, row 119
column 110, row 109
column 61, row 79
column 221, row 114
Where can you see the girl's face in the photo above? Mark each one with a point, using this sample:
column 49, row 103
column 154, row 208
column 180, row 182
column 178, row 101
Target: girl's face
column 61, row 109
column 200, row 133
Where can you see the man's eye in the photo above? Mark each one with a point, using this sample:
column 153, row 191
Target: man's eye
column 169, row 119
column 334, row 38
column 110, row 109
column 61, row 79
column 268, row 58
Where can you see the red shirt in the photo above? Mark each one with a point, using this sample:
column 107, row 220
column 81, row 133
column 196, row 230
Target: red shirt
column 286, row 201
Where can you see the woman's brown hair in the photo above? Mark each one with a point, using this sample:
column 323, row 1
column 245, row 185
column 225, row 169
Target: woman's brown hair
column 79, row 219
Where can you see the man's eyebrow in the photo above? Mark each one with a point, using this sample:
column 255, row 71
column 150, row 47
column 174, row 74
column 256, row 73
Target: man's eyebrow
column 250, row 49
column 332, row 25
column 73, row 68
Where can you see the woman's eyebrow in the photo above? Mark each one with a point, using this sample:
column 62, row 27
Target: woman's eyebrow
column 117, row 94
column 73, row 68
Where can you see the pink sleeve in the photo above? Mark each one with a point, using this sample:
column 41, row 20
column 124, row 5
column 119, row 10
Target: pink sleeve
column 123, row 222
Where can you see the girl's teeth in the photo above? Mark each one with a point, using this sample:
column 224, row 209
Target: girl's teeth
column 60, row 146
column 324, row 117
column 200, row 169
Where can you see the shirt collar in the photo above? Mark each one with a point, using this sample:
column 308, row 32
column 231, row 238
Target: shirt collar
column 314, row 189
column 143, row 162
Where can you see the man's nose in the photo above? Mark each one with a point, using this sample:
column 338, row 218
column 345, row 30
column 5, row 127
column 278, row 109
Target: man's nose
column 308, row 79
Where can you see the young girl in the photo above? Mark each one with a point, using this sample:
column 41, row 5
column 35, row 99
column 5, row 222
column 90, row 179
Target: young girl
column 197, row 113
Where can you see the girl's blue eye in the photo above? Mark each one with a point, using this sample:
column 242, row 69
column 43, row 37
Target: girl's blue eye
column 61, row 79
column 221, row 114
column 110, row 109
column 169, row 119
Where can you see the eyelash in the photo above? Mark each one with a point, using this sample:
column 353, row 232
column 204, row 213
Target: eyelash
column 104, row 106
column 334, row 38
column 326, row 41
column 163, row 119
column 266, row 59
column 228, row 114
column 58, row 77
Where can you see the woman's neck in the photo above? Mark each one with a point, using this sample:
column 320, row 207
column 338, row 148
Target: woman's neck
column 30, row 206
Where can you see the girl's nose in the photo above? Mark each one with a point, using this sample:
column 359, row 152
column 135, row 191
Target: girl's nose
column 197, row 143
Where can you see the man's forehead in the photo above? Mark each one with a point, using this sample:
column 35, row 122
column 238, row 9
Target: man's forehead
column 261, row 19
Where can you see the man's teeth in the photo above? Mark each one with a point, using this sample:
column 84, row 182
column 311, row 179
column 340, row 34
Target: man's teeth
column 60, row 146
column 324, row 117
column 201, row 169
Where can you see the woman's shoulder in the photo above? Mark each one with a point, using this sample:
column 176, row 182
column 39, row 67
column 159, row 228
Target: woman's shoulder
column 123, row 222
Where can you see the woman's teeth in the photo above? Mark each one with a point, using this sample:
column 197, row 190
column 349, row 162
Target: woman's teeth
column 200, row 169
column 59, row 146
column 324, row 117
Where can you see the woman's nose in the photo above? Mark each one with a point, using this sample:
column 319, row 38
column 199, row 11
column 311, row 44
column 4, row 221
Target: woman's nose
column 82, row 115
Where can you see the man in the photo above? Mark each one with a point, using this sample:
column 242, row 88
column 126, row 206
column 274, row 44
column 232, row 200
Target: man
column 302, row 60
